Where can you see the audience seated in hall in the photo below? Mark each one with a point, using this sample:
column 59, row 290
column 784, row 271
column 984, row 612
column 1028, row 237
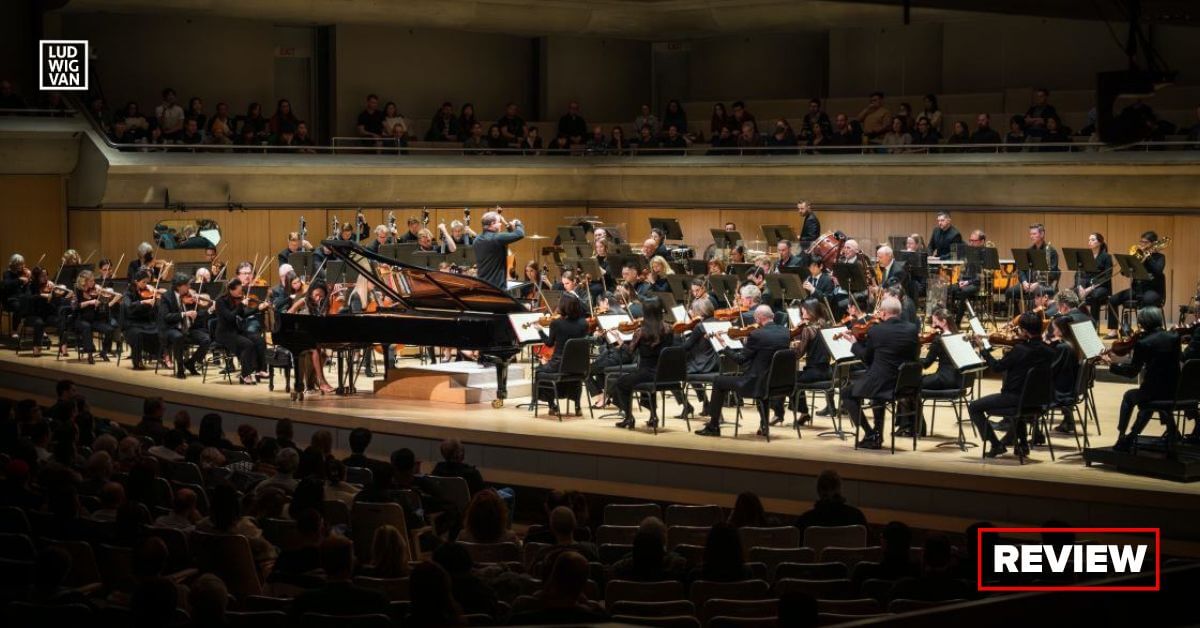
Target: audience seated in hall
column 831, row 508
column 650, row 560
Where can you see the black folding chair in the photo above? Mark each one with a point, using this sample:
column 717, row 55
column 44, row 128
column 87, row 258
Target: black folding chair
column 1036, row 397
column 1187, row 397
column 669, row 376
column 573, row 369
column 781, row 383
column 956, row 399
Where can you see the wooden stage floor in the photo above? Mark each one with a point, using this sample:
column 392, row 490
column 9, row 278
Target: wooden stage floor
column 945, row 485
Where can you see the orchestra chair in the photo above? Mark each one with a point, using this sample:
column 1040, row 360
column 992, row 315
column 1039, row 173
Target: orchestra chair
column 908, row 389
column 810, row 390
column 670, row 375
column 780, row 384
column 956, row 399
column 1036, row 396
column 703, row 382
column 1187, row 397
column 572, row 369
column 1078, row 402
column 217, row 354
column 842, row 374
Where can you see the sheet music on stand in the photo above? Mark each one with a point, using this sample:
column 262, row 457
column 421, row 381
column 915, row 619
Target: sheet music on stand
column 794, row 316
column 610, row 323
column 524, row 325
column 679, row 312
column 961, row 352
column 839, row 347
column 718, row 336
column 978, row 330
column 1087, row 339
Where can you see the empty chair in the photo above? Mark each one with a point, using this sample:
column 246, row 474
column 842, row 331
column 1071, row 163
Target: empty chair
column 864, row 606
column 687, row 535
column 685, row 515
column 851, row 556
column 622, row 535
column 679, row 621
column 668, row 608
column 392, row 588
column 719, row 607
column 258, row 619
column 630, row 514
column 229, row 557
column 820, row 589
column 820, row 537
column 773, row 556
column 317, row 620
column 812, row 571
column 777, row 536
column 744, row 590
column 453, row 489
column 665, row 591
column 493, row 552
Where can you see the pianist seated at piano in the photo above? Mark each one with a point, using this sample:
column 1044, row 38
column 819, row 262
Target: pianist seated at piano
column 315, row 302
column 569, row 322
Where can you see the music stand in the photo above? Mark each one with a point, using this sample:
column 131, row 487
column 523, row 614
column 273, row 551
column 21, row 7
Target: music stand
column 681, row 285
column 785, row 287
column 850, row 277
column 552, row 298
column 774, row 233
column 669, row 227
column 391, row 251
column 725, row 239
column 914, row 262
column 303, row 263
column 1080, row 260
column 897, row 242
column 213, row 289
column 591, row 267
column 428, row 259
column 463, row 256
column 336, row 271
column 725, row 287
column 668, row 301
column 620, row 249
column 572, row 234
column 697, row 266
column 1132, row 267
column 405, row 252
column 620, row 261
column 739, row 269
column 576, row 250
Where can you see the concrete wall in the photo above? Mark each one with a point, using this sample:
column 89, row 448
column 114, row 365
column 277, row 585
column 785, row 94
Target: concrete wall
column 757, row 66
column 609, row 77
column 419, row 69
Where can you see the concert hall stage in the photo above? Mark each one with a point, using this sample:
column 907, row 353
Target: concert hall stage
column 933, row 487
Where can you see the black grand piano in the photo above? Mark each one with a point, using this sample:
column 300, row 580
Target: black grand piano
column 428, row 308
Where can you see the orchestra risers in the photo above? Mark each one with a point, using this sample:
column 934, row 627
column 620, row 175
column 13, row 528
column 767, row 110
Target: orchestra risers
column 452, row 382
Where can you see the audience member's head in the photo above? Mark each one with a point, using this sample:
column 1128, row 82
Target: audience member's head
column 337, row 557
column 284, row 430
column 224, row 509
column 567, row 580
column 212, row 432
column 208, row 599
column 937, row 555
column 286, row 461
column 112, row 495
column 184, row 504
column 433, row 602
column 389, row 553
column 453, row 450
column 896, row 539
column 486, row 518
column 404, row 463
column 748, row 511
column 360, row 439
column 153, row 408
column 562, row 525
column 323, row 440
column 723, row 550
column 829, row 486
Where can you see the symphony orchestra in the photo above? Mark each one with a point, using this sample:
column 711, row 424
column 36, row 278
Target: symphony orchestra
column 837, row 319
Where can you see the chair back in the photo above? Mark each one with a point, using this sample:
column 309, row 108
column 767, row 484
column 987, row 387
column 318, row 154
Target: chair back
column 908, row 380
column 772, row 557
column 493, row 552
column 812, row 571
column 453, row 489
column 672, row 366
column 690, row 535
column 693, row 554
column 630, row 514
column 677, row 621
column 258, row 619
column 819, row 589
column 391, row 588
column 703, row 590
column 13, row 520
column 905, row 606
column 781, row 376
column 619, row 535
column 775, row 536
column 179, row 555
column 359, row 475
column 317, row 620
column 664, row 591
column 1188, row 388
column 530, row 551
column 851, row 556
column 612, row 552
column 864, row 606
column 820, row 537
column 685, row 515
column 576, row 357
column 720, row 607
column 186, row 472
column 84, row 568
column 282, row 533
column 1038, row 391
column 17, row 547
column 670, row 608
column 336, row 512
column 366, row 517
column 228, row 556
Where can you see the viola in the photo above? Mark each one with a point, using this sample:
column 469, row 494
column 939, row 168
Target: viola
column 797, row 330
column 859, row 330
column 738, row 333
column 730, row 314
column 150, row 293
column 681, row 327
column 1124, row 346
column 628, row 327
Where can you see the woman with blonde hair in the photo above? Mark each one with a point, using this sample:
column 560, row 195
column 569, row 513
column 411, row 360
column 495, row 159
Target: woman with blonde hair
column 659, row 270
column 390, row 557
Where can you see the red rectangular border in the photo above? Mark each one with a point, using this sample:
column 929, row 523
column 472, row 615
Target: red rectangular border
column 1157, row 532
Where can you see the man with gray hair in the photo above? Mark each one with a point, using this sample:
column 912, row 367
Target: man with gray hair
column 491, row 247
column 755, row 358
column 885, row 347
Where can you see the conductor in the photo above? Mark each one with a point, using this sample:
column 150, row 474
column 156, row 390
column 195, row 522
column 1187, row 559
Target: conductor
column 491, row 248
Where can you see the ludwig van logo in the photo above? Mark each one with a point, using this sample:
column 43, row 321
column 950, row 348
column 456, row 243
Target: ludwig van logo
column 63, row 65
column 1066, row 559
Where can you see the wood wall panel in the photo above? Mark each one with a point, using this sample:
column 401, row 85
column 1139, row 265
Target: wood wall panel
column 33, row 209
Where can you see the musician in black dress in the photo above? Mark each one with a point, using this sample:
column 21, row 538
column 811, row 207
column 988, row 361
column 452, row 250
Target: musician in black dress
column 611, row 353
column 1156, row 359
column 183, row 324
column 569, row 282
column 809, row 345
column 40, row 307
column 92, row 316
column 16, row 286
column 315, row 302
column 1146, row 292
column 1027, row 354
column 944, row 238
column 755, row 357
column 701, row 357
column 886, row 346
column 648, row 343
column 141, row 322
column 1095, row 289
column 810, row 226
column 1065, row 369
column 946, row 377
column 233, row 310
column 570, row 323
column 533, row 278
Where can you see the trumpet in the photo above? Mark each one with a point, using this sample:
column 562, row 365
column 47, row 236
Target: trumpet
column 1155, row 247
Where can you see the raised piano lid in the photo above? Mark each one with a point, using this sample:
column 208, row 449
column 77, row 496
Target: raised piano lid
column 423, row 288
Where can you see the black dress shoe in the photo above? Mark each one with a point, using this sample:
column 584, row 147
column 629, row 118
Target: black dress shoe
column 904, row 432
column 138, row 366
column 777, row 421
column 763, row 431
column 191, row 368
column 652, row 423
column 804, row 419
column 708, row 431
column 997, row 450
column 871, row 441
column 1124, row 444
column 91, row 359
column 1065, row 428
column 627, row 424
column 826, row 411
column 1039, row 439
column 688, row 412
column 181, row 375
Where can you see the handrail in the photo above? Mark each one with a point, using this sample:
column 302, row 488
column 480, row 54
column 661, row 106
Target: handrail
column 37, row 111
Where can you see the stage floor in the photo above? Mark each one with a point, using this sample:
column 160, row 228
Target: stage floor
column 676, row 464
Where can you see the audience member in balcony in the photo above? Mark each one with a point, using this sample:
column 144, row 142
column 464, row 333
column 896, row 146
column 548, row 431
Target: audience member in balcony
column 876, row 119
column 169, row 116
column 138, row 127
column 572, row 125
column 495, row 141
column 721, row 142
column 925, row 135
column 897, row 136
column 184, row 514
column 470, row 591
column 1054, row 133
column 816, row 138
column 984, row 133
column 218, row 134
column 433, row 603
column 674, row 139
column 391, row 118
column 904, row 112
column 99, row 110
column 398, row 139
column 9, row 98
column 646, row 140
column 782, row 139
column 221, row 115
column 749, row 138
column 370, row 120
column 562, row 526
column 723, row 557
column 1016, row 135
column 937, row 581
column 1039, row 111
column 720, row 120
column 831, row 508
column 302, row 137
column 933, row 113
column 814, row 115
column 597, row 144
column 254, row 119
column 959, row 135
column 512, row 125
column 476, row 143
column 191, row 134
column 338, row 596
column 444, row 126
column 741, row 116
column 748, row 512
column 195, row 111
column 531, row 142
column 675, row 115
column 283, row 118
column 487, row 520
column 562, row 600
column 466, row 117
column 646, row 118
column 845, row 132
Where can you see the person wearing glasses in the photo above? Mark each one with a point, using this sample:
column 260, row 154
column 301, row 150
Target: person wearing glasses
column 969, row 281
column 1144, row 292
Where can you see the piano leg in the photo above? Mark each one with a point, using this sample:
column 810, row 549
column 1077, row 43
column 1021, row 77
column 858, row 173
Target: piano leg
column 298, row 378
column 501, row 364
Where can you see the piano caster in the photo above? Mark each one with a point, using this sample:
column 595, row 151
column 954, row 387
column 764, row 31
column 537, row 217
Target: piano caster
column 497, row 403
column 297, row 395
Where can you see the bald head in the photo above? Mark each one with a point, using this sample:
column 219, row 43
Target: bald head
column 885, row 255
column 851, row 246
column 763, row 314
column 890, row 306
column 649, row 247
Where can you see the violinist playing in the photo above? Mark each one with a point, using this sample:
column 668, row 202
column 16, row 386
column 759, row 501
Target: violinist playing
column 570, row 284
column 16, row 286
column 819, row 284
column 184, row 316
column 215, row 266
column 883, row 349
column 699, row 290
column 145, row 261
column 1028, row 353
column 1065, row 369
column 946, row 377
column 569, row 323
column 755, row 357
column 91, row 315
column 1156, row 358
column 140, row 317
column 610, row 353
column 234, row 311
column 315, row 302
column 253, row 323
column 41, row 307
column 648, row 343
column 808, row 344
column 702, row 359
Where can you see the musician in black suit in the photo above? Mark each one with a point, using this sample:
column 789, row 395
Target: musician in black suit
column 969, row 280
column 232, row 311
column 1096, row 288
column 891, row 271
column 1066, row 303
column 699, row 290
column 809, row 345
column 1156, row 358
column 295, row 244
column 140, row 322
column 1031, row 280
column 819, row 284
column 810, row 226
column 182, row 324
column 648, row 343
column 491, row 248
column 908, row 307
column 701, row 357
column 886, row 346
column 1029, row 353
column 570, row 323
column 383, row 236
column 1145, row 292
column 786, row 259
column 944, row 237
column 755, row 357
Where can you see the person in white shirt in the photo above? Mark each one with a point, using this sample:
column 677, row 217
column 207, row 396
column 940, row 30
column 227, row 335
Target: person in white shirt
column 285, row 464
column 184, row 514
column 170, row 116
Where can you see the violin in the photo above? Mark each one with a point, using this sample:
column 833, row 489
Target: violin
column 197, row 299
column 592, row 324
column 797, row 330
column 738, row 333
column 730, row 314
column 628, row 327
column 1124, row 346
column 930, row 337
column 542, row 322
column 680, row 327
column 150, row 293
column 859, row 330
